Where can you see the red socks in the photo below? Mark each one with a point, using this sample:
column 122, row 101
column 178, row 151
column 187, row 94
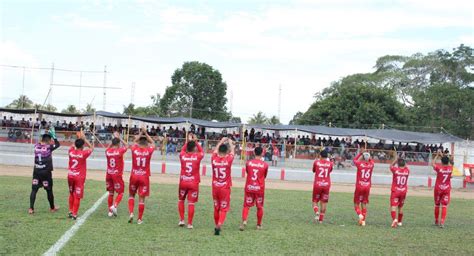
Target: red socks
column 357, row 209
column 75, row 208
column 131, row 204
column 181, row 209
column 394, row 214
column 110, row 200
column 245, row 213
column 190, row 213
column 364, row 212
column 400, row 217
column 216, row 215
column 141, row 209
column 315, row 209
column 259, row 215
column 71, row 202
column 321, row 216
column 436, row 213
column 222, row 216
column 444, row 210
column 118, row 199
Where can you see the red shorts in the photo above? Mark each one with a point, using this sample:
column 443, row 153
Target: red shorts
column 114, row 183
column 361, row 194
column 321, row 193
column 189, row 190
column 397, row 198
column 221, row 198
column 442, row 197
column 251, row 199
column 76, row 185
column 140, row 184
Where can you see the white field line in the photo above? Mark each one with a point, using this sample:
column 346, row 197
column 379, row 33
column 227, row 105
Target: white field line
column 70, row 233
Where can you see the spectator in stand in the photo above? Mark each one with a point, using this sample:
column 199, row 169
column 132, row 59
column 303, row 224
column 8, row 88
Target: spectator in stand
column 252, row 135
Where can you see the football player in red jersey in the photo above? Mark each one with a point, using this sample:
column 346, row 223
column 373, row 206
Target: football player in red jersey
column 189, row 179
column 256, row 171
column 399, row 189
column 442, row 191
column 322, row 169
column 365, row 167
column 142, row 150
column 221, row 161
column 114, row 175
column 77, row 172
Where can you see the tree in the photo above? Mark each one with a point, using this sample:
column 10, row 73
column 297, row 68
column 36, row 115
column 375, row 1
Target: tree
column 88, row 109
column 448, row 106
column 355, row 101
column 50, row 108
column 197, row 90
column 21, row 103
column 258, row 118
column 415, row 92
column 236, row 119
column 296, row 118
column 71, row 109
column 274, row 120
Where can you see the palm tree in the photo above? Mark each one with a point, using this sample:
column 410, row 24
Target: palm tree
column 89, row 109
column 71, row 109
column 21, row 103
column 258, row 118
column 274, row 120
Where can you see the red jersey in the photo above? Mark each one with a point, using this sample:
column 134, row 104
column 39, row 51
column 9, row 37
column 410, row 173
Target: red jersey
column 257, row 171
column 115, row 160
column 77, row 161
column 190, row 164
column 322, row 169
column 443, row 176
column 364, row 171
column 141, row 160
column 400, row 178
column 221, row 168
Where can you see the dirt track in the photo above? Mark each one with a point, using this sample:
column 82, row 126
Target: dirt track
column 6, row 170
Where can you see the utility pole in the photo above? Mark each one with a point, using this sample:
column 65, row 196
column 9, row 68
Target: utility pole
column 279, row 102
column 132, row 93
column 51, row 82
column 104, row 101
column 23, row 89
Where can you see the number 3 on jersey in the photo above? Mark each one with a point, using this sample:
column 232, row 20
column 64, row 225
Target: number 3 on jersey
column 220, row 173
column 255, row 173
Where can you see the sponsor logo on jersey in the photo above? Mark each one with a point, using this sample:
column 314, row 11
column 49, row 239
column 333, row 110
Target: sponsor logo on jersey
column 112, row 153
column 71, row 154
column 219, row 184
column 186, row 178
column 364, row 183
column 323, row 183
column 192, row 158
column 220, row 163
column 257, row 165
column 253, row 187
column 112, row 171
column 139, row 172
column 141, row 153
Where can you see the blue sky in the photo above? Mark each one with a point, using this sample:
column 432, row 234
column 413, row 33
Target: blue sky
column 256, row 45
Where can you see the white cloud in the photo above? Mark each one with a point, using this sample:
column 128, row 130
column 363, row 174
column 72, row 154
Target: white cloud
column 85, row 23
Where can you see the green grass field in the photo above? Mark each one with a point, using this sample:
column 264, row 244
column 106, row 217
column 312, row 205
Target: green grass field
column 288, row 225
